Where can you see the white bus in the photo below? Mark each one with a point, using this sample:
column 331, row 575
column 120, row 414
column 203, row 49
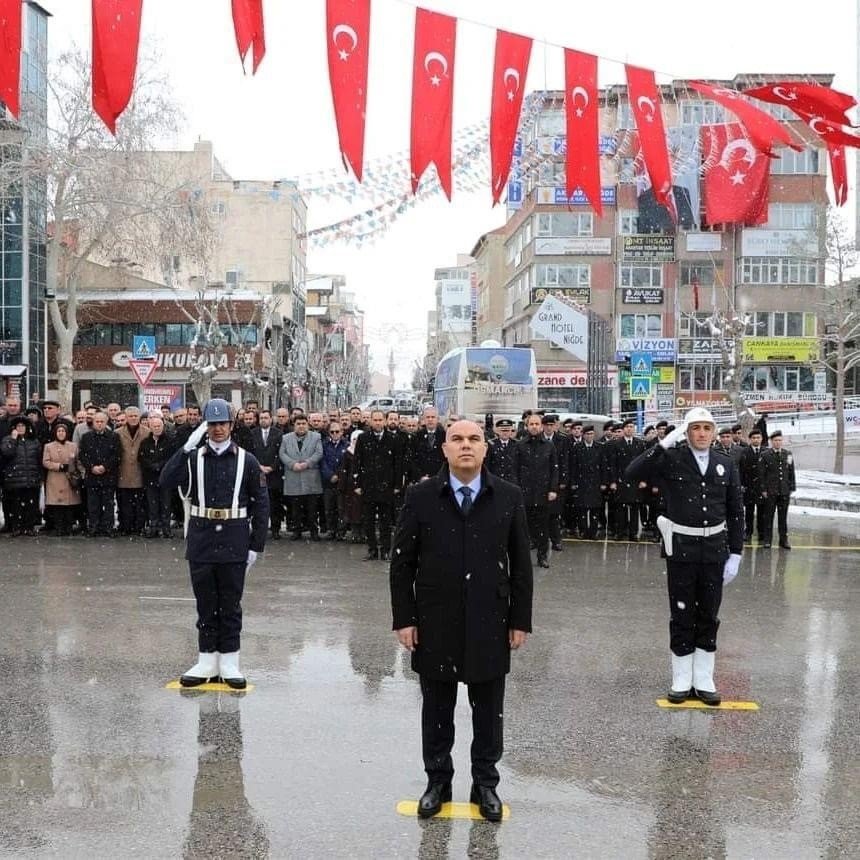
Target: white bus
column 475, row 381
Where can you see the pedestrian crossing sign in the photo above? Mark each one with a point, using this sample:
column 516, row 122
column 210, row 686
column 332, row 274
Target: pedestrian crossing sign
column 640, row 364
column 640, row 387
column 143, row 346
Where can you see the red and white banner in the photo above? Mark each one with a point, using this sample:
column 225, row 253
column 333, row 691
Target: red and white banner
column 10, row 54
column 645, row 105
column 807, row 99
column 831, row 133
column 582, row 104
column 348, row 40
column 116, row 36
column 250, row 30
column 838, row 173
column 763, row 131
column 433, row 96
column 509, row 82
column 736, row 176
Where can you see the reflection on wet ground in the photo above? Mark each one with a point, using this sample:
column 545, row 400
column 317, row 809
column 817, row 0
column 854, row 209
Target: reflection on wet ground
column 98, row 759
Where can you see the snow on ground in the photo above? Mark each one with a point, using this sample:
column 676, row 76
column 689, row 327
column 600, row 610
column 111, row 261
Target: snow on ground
column 822, row 513
column 827, row 490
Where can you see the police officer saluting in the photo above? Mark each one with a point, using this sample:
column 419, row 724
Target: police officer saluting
column 702, row 543
column 227, row 528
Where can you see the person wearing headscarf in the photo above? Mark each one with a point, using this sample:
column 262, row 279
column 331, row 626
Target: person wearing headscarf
column 62, row 495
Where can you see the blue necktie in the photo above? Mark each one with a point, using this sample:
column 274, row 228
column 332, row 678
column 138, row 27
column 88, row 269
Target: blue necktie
column 466, row 504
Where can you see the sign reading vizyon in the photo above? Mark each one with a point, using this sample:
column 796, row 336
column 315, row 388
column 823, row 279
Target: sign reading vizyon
column 563, row 325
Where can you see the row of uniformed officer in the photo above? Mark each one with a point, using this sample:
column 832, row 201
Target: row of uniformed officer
column 229, row 513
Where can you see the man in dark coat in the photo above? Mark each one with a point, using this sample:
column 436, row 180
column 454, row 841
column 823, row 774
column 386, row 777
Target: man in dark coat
column 334, row 449
column 562, row 454
column 608, row 510
column 379, row 477
column 461, row 595
column 502, row 452
column 537, row 477
column 628, row 494
column 703, row 539
column 776, row 475
column 229, row 513
column 265, row 445
column 751, row 482
column 99, row 456
column 585, row 478
column 427, row 457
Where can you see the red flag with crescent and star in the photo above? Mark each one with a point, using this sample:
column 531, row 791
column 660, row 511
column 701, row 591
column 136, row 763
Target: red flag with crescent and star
column 645, row 105
column 807, row 99
column 838, row 173
column 581, row 103
column 832, row 133
column 509, row 78
column 10, row 54
column 433, row 96
column 735, row 188
column 348, row 39
column 116, row 36
column 250, row 31
column 763, row 131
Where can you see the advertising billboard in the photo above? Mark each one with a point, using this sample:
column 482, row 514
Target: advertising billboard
column 456, row 307
column 768, row 349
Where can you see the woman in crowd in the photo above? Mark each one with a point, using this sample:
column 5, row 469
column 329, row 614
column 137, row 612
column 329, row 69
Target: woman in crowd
column 62, row 494
column 22, row 476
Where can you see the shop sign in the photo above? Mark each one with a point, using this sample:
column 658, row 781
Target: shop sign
column 575, row 294
column 584, row 245
column 642, row 295
column 648, row 247
column 779, row 243
column 662, row 349
column 770, row 349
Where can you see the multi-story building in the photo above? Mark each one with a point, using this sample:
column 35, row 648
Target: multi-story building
column 656, row 284
column 489, row 279
column 455, row 305
column 23, row 216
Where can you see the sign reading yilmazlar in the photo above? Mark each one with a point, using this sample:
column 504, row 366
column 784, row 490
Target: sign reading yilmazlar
column 648, row 248
column 563, row 325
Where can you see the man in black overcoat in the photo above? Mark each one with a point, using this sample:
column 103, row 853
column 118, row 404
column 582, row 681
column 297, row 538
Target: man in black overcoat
column 751, row 482
column 461, row 595
column 777, row 480
column 265, row 446
column 426, row 457
column 703, row 539
column 585, row 479
column 502, row 451
column 628, row 494
column 562, row 454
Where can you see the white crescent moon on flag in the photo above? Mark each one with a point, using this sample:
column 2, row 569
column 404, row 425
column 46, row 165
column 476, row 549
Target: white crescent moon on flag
column 439, row 58
column 581, row 91
column 734, row 146
column 817, row 119
column 722, row 91
column 345, row 28
column 644, row 100
column 781, row 93
column 509, row 73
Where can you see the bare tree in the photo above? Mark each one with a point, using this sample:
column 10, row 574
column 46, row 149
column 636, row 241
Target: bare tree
column 107, row 201
column 841, row 307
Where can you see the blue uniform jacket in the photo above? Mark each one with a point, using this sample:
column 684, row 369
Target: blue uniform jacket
column 221, row 541
column 332, row 456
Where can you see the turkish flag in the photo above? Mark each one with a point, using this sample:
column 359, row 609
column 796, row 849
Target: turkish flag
column 433, row 96
column 581, row 104
column 807, row 99
column 116, row 36
column 348, row 38
column 248, row 24
column 763, row 131
column 645, row 104
column 10, row 54
column 831, row 133
column 838, row 173
column 736, row 176
column 509, row 79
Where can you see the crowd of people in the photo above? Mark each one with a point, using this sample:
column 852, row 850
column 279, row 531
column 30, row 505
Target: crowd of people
column 342, row 475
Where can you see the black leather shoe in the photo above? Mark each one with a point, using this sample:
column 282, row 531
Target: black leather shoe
column 372, row 555
column 434, row 796
column 193, row 681
column 708, row 698
column 487, row 802
column 557, row 547
column 785, row 545
column 542, row 561
column 676, row 697
column 235, row 683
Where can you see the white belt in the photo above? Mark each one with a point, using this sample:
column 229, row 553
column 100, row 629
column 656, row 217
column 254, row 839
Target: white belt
column 667, row 528
column 219, row 513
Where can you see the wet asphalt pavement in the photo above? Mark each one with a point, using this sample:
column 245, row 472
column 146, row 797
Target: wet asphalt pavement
column 97, row 759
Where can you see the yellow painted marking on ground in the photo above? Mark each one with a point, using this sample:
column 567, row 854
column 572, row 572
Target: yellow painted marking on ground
column 645, row 542
column 207, row 688
column 701, row 706
column 466, row 811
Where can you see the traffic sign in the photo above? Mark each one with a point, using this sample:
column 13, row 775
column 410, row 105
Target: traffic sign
column 142, row 370
column 640, row 387
column 144, row 346
column 640, row 364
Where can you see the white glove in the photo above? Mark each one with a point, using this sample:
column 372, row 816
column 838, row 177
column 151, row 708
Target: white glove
column 730, row 571
column 672, row 439
column 252, row 558
column 194, row 438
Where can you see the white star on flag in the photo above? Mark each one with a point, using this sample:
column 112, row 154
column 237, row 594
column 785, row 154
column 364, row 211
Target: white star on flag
column 343, row 55
column 738, row 178
column 510, row 96
column 579, row 112
column 435, row 80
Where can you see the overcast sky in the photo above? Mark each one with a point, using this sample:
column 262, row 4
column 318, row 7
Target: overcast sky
column 280, row 124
